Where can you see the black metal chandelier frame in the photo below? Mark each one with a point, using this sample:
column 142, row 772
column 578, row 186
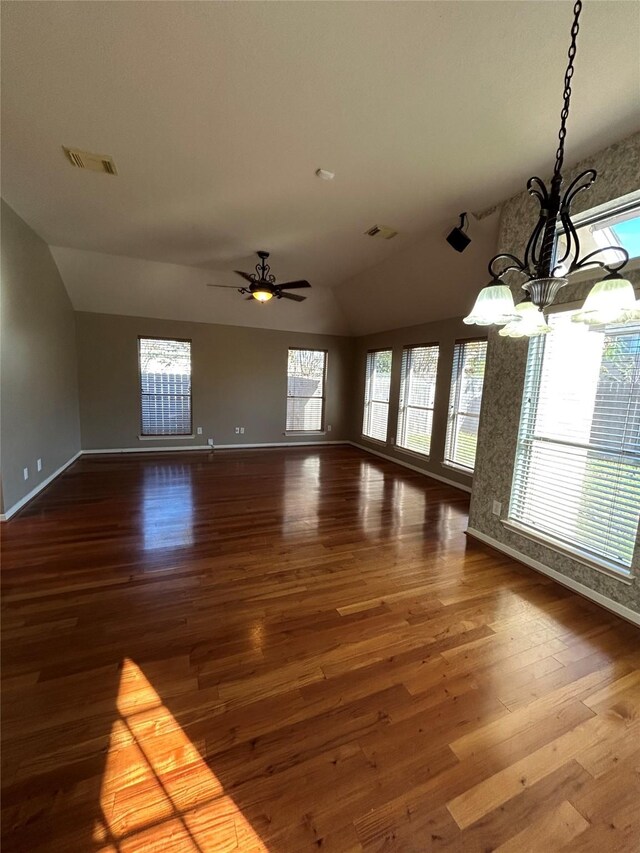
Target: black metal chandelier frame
column 539, row 265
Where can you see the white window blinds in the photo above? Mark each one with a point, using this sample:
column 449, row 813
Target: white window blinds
column 376, row 394
column 417, row 397
column 305, row 390
column 467, row 378
column 165, row 386
column 577, row 468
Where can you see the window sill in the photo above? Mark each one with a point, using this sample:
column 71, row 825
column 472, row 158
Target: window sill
column 459, row 468
column 293, row 433
column 424, row 457
column 163, row 437
column 373, row 440
column 600, row 565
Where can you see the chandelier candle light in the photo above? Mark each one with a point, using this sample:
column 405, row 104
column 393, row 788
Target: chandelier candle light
column 611, row 300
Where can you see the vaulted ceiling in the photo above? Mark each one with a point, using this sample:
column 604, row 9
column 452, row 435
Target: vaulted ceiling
column 218, row 114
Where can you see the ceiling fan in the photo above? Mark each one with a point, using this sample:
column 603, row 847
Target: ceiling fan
column 262, row 283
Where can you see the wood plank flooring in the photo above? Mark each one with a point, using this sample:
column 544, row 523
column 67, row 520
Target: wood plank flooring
column 297, row 650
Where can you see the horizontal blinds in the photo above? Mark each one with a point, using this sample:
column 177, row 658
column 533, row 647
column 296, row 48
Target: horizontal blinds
column 467, row 380
column 376, row 396
column 306, row 371
column 417, row 397
column 577, row 468
column 165, row 386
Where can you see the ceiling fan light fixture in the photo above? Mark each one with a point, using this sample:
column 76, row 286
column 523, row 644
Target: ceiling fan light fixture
column 262, row 295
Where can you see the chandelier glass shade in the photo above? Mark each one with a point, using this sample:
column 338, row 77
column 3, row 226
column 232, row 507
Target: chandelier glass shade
column 544, row 272
column 530, row 322
column 493, row 305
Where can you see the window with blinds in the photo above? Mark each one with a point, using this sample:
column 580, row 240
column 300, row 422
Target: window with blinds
column 417, row 397
column 306, row 373
column 467, row 379
column 165, row 386
column 577, row 467
column 376, row 394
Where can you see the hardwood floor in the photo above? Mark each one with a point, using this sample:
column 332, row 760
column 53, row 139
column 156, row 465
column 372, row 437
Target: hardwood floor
column 300, row 650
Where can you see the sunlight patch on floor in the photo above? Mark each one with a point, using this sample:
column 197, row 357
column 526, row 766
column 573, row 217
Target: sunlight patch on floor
column 157, row 792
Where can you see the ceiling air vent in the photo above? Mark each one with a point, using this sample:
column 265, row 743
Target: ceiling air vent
column 381, row 231
column 87, row 160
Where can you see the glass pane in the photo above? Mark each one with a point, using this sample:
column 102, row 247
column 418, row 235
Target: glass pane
column 165, row 385
column 304, row 413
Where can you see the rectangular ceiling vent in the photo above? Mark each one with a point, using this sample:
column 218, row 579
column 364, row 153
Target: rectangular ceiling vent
column 381, row 231
column 93, row 162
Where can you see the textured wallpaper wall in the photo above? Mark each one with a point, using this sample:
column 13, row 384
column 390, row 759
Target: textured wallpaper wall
column 618, row 170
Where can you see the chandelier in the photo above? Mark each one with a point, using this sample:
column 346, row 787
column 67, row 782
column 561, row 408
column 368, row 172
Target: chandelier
column 611, row 300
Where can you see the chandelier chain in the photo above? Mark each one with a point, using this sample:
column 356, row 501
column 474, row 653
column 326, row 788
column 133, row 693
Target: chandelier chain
column 564, row 115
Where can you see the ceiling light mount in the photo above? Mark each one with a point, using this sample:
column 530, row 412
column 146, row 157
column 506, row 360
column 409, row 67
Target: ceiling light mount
column 544, row 274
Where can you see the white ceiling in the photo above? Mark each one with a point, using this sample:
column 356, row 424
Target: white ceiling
column 217, row 115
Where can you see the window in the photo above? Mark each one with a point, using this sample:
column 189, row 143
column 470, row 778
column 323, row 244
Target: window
column 467, row 379
column 577, row 468
column 376, row 394
column 305, row 390
column 417, row 396
column 615, row 226
column 165, row 386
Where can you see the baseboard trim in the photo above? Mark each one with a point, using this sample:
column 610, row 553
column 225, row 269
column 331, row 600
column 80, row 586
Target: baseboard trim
column 453, row 483
column 5, row 516
column 575, row 586
column 101, row 451
column 276, row 444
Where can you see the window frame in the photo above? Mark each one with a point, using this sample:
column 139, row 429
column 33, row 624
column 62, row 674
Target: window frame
column 402, row 420
column 156, row 435
column 367, row 402
column 322, row 428
column 556, row 542
column 452, row 410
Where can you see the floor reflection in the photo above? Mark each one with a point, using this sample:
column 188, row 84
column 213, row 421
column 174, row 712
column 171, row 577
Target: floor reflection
column 167, row 507
column 301, row 495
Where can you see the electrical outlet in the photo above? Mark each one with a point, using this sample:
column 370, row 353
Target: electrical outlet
column 496, row 509
column 237, row 430
column 328, row 427
column 210, row 442
column 39, row 464
column 25, row 473
column 199, row 431
column 241, row 430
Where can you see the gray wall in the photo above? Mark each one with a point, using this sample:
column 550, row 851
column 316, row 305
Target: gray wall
column 38, row 375
column 239, row 378
column 445, row 333
column 618, row 170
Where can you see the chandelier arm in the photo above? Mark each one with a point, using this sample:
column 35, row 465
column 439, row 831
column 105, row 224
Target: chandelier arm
column 536, row 187
column 582, row 182
column 573, row 241
column 531, row 257
column 590, row 260
column 516, row 266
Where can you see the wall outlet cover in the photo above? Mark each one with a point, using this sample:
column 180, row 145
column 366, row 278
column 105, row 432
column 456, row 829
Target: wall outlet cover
column 25, row 473
column 241, row 430
column 210, row 442
column 496, row 509
column 39, row 464
column 199, row 431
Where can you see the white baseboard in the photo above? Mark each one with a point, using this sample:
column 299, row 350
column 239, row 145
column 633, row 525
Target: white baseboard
column 573, row 585
column 276, row 444
column 5, row 516
column 96, row 452
column 453, row 483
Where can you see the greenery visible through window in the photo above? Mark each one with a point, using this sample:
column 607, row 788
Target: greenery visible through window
column 417, row 398
column 305, row 390
column 165, row 386
column 376, row 394
column 467, row 379
column 577, row 469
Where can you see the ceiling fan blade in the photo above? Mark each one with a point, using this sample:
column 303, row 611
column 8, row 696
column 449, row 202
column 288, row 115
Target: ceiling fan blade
column 290, row 285
column 251, row 298
column 245, row 276
column 232, row 286
column 291, row 296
